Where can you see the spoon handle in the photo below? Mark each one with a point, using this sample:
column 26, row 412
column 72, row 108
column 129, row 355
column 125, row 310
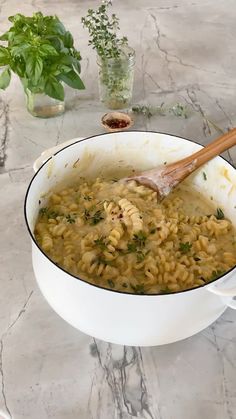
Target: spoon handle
column 184, row 167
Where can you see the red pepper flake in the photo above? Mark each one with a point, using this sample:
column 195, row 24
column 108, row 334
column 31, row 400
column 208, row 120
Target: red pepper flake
column 117, row 123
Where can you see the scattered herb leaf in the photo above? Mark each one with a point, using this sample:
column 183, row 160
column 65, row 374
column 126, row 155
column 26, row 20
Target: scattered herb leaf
column 96, row 217
column 185, row 247
column 49, row 214
column 43, row 211
column 125, row 285
column 216, row 274
column 140, row 239
column 204, row 175
column 219, row 214
column 131, row 247
column 101, row 243
column 105, row 262
column 138, row 289
column 197, row 259
column 88, row 198
column 111, row 283
column 86, row 214
column 70, row 219
column 140, row 256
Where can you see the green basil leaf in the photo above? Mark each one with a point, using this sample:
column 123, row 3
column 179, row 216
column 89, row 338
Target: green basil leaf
column 54, row 88
column 72, row 79
column 4, row 36
column 47, row 50
column 5, row 78
column 20, row 39
column 76, row 65
column 34, row 68
column 57, row 28
column 68, row 40
column 4, row 56
column 16, row 17
column 55, row 42
column 19, row 50
column 66, row 59
column 64, row 69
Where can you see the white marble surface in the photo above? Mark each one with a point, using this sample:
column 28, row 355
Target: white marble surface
column 185, row 51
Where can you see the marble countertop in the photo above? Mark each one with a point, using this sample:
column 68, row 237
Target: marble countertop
column 185, row 52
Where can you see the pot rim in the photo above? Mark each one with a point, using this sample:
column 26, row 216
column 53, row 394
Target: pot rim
column 85, row 281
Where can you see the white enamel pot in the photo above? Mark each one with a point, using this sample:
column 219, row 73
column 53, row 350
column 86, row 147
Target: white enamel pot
column 117, row 317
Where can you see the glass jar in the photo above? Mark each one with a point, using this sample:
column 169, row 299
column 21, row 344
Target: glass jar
column 43, row 106
column 116, row 77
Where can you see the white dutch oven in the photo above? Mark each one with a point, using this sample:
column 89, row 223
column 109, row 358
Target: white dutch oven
column 115, row 316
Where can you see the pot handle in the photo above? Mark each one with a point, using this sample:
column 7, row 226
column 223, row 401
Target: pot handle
column 46, row 154
column 228, row 294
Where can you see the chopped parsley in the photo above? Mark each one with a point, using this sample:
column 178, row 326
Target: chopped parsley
column 185, row 247
column 204, row 175
column 219, row 214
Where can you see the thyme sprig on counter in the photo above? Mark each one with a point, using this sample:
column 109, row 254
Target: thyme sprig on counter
column 178, row 109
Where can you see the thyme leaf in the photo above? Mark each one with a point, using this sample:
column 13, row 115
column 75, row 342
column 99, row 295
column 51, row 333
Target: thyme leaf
column 101, row 243
column 185, row 247
column 219, row 214
column 87, row 198
column 111, row 283
column 138, row 289
column 216, row 274
column 70, row 219
column 97, row 217
column 140, row 239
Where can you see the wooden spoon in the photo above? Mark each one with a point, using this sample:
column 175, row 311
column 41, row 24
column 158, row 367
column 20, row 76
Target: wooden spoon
column 164, row 178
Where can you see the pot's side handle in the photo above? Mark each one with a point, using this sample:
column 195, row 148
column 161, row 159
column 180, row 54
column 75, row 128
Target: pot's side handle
column 51, row 151
column 228, row 294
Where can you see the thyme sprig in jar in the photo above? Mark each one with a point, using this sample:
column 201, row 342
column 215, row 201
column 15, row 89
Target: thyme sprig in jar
column 115, row 58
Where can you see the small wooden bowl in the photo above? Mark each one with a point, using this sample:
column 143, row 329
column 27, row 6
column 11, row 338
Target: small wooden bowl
column 111, row 119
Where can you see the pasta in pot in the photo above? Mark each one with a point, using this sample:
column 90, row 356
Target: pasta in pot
column 118, row 236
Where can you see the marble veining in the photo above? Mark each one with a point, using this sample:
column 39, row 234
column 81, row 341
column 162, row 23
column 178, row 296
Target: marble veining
column 185, row 52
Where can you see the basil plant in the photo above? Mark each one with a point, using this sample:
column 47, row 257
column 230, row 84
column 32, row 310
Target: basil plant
column 41, row 52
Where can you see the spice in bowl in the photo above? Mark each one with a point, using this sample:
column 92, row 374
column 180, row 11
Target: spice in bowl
column 116, row 121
